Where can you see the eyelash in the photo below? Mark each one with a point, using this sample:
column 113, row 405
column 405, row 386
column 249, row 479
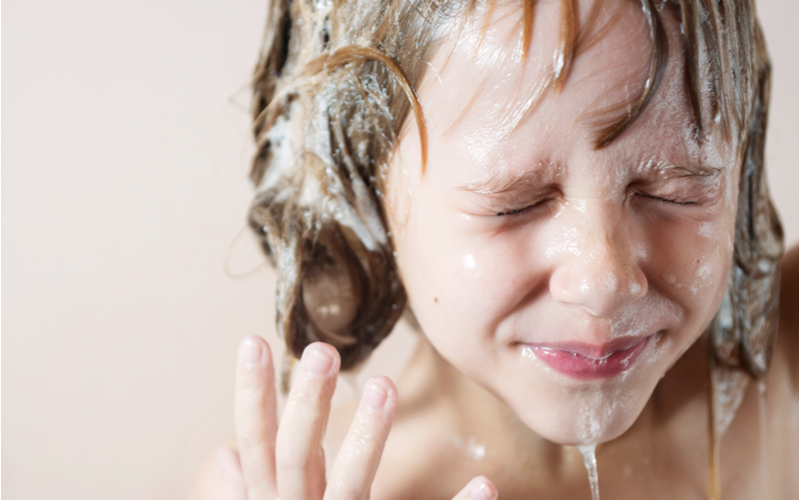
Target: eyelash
column 513, row 212
column 673, row 201
column 517, row 211
column 668, row 201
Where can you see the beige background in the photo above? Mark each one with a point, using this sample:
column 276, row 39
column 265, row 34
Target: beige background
column 125, row 152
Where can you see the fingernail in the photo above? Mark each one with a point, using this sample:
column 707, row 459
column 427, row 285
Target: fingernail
column 482, row 490
column 375, row 396
column 317, row 361
column 249, row 353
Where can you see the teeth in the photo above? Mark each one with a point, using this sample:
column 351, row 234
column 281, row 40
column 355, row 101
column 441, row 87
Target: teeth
column 594, row 360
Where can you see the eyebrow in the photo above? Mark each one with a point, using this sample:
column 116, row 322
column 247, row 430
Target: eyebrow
column 667, row 170
column 500, row 183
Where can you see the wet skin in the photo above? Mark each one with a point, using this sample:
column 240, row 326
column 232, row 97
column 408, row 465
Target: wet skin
column 617, row 254
column 286, row 461
column 531, row 257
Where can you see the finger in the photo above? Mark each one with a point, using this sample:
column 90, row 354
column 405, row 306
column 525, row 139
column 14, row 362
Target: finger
column 231, row 469
column 300, row 462
column 256, row 418
column 479, row 488
column 361, row 450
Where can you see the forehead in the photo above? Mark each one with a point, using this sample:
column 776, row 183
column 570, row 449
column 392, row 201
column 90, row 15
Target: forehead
column 482, row 70
column 482, row 94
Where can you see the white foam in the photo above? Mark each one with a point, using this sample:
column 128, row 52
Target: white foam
column 705, row 229
column 469, row 447
column 469, row 261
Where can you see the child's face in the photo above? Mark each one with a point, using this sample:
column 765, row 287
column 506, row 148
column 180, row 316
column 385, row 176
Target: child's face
column 607, row 264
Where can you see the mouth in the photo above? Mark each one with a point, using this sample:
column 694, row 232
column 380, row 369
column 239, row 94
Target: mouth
column 590, row 362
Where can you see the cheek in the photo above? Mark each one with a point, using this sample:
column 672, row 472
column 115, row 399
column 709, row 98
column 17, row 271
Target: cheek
column 458, row 284
column 445, row 276
column 690, row 263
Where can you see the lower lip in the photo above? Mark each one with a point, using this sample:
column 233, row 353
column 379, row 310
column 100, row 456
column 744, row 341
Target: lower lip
column 584, row 368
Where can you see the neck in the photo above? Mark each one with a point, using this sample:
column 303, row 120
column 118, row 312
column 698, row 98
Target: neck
column 431, row 385
column 473, row 414
column 488, row 438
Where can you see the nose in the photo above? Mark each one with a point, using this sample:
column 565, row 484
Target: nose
column 601, row 273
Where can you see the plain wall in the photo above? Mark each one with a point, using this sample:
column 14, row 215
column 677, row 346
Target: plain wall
column 125, row 155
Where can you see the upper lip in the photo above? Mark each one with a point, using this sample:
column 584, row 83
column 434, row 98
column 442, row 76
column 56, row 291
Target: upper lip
column 593, row 351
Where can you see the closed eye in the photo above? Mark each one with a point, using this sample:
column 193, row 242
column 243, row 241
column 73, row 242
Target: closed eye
column 517, row 211
column 514, row 212
column 668, row 200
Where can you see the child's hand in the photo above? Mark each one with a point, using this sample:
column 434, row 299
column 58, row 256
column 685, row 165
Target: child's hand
column 287, row 461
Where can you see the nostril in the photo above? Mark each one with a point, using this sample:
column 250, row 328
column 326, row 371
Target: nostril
column 638, row 284
column 602, row 291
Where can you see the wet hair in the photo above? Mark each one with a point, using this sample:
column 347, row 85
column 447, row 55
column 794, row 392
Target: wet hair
column 335, row 83
column 333, row 86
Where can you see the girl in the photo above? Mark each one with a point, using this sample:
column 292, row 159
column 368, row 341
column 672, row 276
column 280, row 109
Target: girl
column 563, row 196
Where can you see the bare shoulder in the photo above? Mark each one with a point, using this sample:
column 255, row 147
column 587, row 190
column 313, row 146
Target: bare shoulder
column 421, row 460
column 406, row 468
column 779, row 400
column 787, row 343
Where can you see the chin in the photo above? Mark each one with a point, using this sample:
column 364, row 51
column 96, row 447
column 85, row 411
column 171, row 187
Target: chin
column 577, row 432
column 585, row 425
column 586, row 416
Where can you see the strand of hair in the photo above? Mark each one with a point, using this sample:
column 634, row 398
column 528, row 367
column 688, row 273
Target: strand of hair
column 566, row 46
column 689, row 22
column 527, row 26
column 658, row 61
column 351, row 53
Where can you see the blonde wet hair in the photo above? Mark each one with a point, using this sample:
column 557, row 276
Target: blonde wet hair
column 333, row 87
